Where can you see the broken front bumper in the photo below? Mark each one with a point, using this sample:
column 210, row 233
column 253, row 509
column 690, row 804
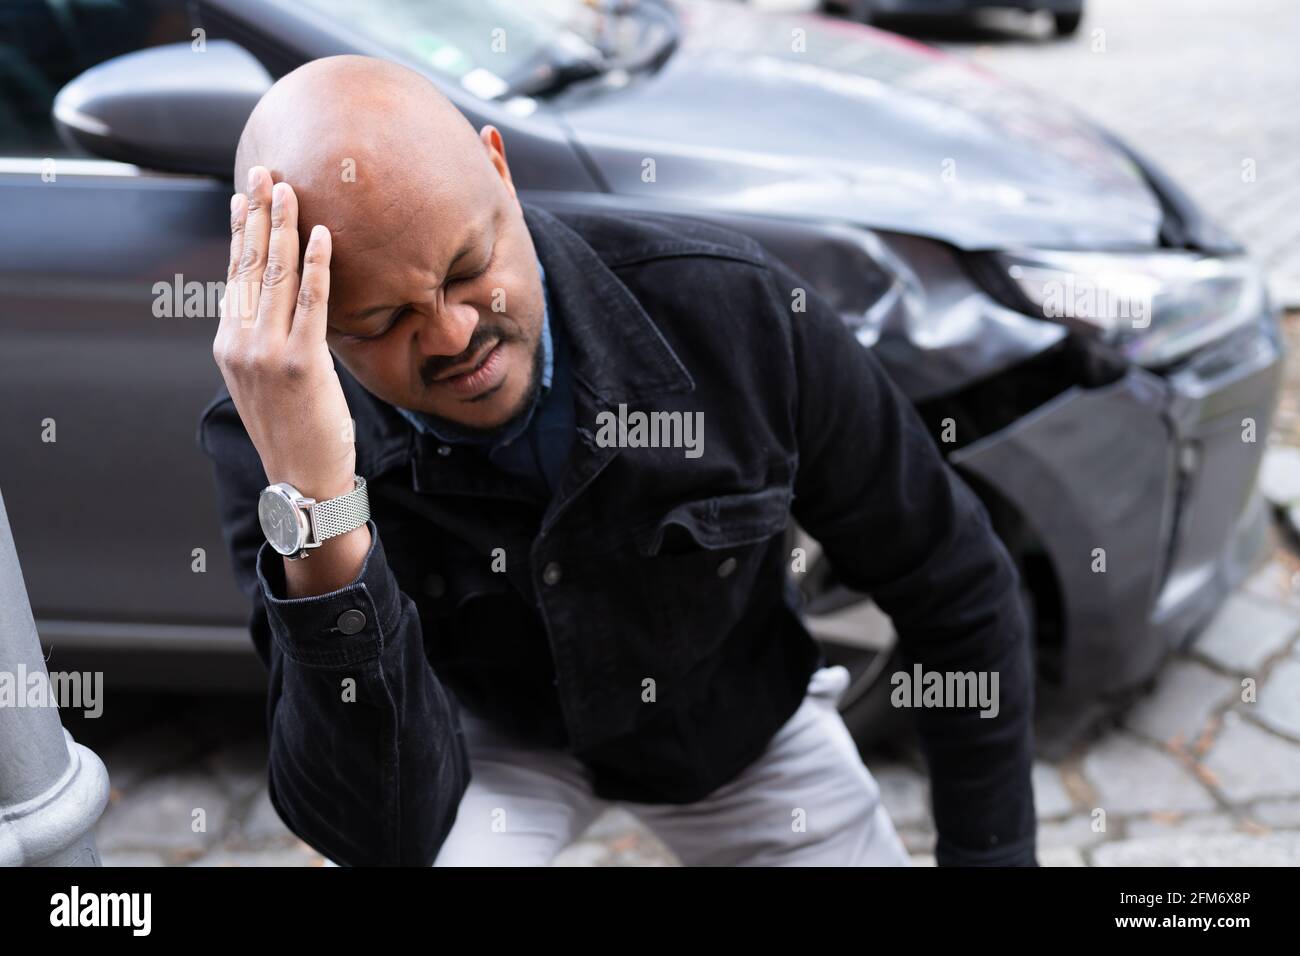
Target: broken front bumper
column 1142, row 494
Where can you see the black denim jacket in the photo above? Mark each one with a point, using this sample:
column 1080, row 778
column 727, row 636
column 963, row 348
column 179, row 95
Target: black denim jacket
column 642, row 620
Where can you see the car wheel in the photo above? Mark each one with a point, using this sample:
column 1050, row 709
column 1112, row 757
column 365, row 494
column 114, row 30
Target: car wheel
column 1067, row 24
column 865, row 707
column 855, row 633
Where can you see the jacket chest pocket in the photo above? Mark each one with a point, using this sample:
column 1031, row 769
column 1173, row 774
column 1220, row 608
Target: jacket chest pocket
column 701, row 562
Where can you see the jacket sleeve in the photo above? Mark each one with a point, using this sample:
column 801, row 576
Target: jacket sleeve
column 367, row 760
column 896, row 522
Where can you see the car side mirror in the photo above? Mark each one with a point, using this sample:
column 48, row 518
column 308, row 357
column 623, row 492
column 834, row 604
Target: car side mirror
column 169, row 108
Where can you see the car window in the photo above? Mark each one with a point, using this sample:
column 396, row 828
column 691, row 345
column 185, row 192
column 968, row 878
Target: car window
column 485, row 46
column 46, row 43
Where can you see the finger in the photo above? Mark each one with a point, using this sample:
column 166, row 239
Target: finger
column 312, row 312
column 280, row 275
column 230, row 300
column 257, row 232
column 238, row 210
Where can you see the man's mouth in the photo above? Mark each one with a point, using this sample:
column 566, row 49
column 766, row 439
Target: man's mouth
column 473, row 377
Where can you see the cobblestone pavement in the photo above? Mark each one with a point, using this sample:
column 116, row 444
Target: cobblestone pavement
column 1209, row 90
column 1192, row 774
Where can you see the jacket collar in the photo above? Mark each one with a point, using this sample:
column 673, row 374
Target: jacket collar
column 618, row 355
column 618, row 352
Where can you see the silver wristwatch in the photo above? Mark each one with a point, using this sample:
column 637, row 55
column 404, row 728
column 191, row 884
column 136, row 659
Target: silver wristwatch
column 293, row 524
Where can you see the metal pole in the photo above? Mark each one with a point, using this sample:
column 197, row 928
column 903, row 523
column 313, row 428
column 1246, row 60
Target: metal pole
column 52, row 790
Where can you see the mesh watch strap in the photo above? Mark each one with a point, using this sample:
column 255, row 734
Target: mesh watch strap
column 342, row 514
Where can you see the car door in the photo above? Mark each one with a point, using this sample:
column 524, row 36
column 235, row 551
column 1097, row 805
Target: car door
column 101, row 378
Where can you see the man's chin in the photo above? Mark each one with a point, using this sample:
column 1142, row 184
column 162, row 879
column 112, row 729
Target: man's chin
column 483, row 418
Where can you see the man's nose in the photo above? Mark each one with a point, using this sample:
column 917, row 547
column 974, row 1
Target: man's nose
column 446, row 330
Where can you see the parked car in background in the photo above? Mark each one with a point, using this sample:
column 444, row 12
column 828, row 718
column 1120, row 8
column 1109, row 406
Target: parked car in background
column 1066, row 14
column 1098, row 360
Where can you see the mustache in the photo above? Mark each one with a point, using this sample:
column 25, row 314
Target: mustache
column 436, row 365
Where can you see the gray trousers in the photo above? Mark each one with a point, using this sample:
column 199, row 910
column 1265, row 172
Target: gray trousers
column 808, row 800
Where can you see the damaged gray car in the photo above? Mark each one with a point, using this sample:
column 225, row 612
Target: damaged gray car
column 1092, row 355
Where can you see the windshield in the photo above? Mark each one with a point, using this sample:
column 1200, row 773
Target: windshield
column 498, row 47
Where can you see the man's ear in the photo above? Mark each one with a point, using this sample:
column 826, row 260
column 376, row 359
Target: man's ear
column 490, row 137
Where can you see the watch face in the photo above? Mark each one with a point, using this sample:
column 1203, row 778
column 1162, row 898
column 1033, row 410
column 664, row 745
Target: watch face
column 281, row 521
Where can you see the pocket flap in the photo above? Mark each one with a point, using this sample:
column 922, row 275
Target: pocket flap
column 724, row 521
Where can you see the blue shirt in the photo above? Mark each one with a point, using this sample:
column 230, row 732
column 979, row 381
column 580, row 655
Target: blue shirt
column 535, row 445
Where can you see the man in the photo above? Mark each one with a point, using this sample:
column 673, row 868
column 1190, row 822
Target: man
column 544, row 585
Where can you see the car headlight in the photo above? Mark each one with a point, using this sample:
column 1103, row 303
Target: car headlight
column 1155, row 307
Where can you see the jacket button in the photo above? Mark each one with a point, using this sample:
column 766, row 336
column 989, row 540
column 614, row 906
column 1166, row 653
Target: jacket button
column 444, row 450
column 351, row 621
column 726, row 567
column 551, row 574
column 435, row 586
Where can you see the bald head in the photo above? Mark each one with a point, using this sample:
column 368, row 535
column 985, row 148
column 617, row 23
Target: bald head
column 361, row 140
column 435, row 302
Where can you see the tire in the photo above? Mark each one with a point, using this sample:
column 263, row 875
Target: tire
column 1067, row 24
column 834, row 615
column 840, row 619
column 872, row 720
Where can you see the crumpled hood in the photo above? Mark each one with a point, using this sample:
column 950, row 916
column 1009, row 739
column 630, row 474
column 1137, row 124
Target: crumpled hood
column 862, row 127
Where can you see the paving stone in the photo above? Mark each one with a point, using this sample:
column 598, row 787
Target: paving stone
column 130, row 858
column 1186, row 694
column 633, row 849
column 1279, row 475
column 150, row 750
column 158, row 816
column 1060, row 856
column 1250, row 763
column 1285, row 290
column 1276, row 813
column 297, row 855
column 1074, row 832
column 240, row 766
column 624, row 841
column 1130, row 777
column 1179, row 825
column 613, row 823
column 581, row 853
column 262, row 824
column 1246, row 632
column 1202, row 850
column 1278, row 705
column 1051, row 799
column 905, row 793
column 1277, row 580
column 917, row 841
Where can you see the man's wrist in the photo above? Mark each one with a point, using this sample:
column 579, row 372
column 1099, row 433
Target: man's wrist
column 336, row 563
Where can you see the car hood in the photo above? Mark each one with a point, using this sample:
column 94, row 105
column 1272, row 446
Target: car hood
column 810, row 117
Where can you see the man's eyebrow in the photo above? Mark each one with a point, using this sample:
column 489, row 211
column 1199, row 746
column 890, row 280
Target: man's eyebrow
column 466, row 248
